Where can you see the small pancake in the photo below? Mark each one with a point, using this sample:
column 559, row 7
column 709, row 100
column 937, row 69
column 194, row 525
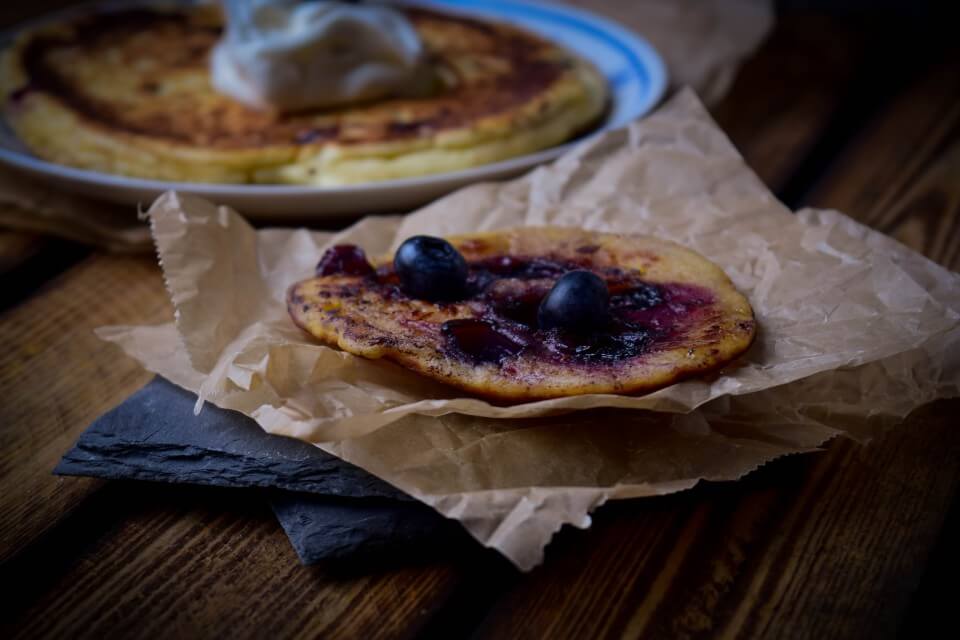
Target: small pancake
column 675, row 315
column 129, row 92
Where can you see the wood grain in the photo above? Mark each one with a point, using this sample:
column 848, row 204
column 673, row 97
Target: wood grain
column 147, row 561
column 828, row 545
column 17, row 248
column 58, row 377
column 785, row 96
column 28, row 261
column 902, row 176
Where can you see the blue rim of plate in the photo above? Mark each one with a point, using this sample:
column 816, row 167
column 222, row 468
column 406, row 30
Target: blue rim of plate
column 640, row 71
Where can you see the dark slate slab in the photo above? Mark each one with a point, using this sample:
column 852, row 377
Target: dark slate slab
column 154, row 435
column 322, row 528
column 330, row 509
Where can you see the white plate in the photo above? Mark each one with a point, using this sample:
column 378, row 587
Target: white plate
column 633, row 69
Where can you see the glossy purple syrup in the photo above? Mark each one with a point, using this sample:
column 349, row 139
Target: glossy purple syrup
column 344, row 259
column 645, row 317
column 523, row 268
column 505, row 292
column 485, row 272
column 620, row 341
column 676, row 306
column 641, row 296
column 480, row 340
column 517, row 300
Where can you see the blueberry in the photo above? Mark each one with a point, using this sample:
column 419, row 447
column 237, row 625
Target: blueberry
column 344, row 259
column 577, row 302
column 431, row 269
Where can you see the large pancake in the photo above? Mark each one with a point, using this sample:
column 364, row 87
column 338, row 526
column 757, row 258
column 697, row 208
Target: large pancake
column 675, row 315
column 129, row 93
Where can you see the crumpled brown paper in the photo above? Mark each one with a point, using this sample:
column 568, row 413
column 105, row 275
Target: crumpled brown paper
column 855, row 330
column 703, row 45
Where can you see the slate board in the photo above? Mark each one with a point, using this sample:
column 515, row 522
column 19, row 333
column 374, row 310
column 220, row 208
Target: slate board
column 371, row 530
column 330, row 509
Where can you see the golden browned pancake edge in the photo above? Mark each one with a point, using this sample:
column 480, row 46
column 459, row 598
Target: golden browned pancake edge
column 369, row 321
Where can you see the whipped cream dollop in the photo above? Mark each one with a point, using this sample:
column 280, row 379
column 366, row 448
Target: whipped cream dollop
column 292, row 55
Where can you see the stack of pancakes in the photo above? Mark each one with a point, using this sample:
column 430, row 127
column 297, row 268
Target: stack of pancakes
column 129, row 93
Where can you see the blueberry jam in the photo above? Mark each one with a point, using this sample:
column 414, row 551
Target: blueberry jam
column 623, row 340
column 523, row 268
column 517, row 300
column 484, row 272
column 481, row 341
column 504, row 293
column 642, row 296
column 344, row 259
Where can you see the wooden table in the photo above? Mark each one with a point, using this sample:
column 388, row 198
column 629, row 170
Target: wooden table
column 856, row 112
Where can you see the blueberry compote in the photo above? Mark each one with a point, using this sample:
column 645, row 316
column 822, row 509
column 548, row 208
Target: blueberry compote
column 481, row 340
column 505, row 293
column 344, row 259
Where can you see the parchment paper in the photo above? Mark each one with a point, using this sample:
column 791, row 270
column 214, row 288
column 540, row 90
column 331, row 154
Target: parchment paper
column 702, row 43
column 855, row 331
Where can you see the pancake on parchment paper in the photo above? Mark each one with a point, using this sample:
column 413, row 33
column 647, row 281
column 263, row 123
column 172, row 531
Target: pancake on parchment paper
column 675, row 315
column 129, row 93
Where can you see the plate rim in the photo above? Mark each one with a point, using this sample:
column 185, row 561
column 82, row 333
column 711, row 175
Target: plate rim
column 651, row 60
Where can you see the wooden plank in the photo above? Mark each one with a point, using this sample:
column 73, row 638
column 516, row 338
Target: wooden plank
column 146, row 561
column 27, row 261
column 901, row 176
column 833, row 544
column 58, row 377
column 17, row 248
column 828, row 544
column 786, row 95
